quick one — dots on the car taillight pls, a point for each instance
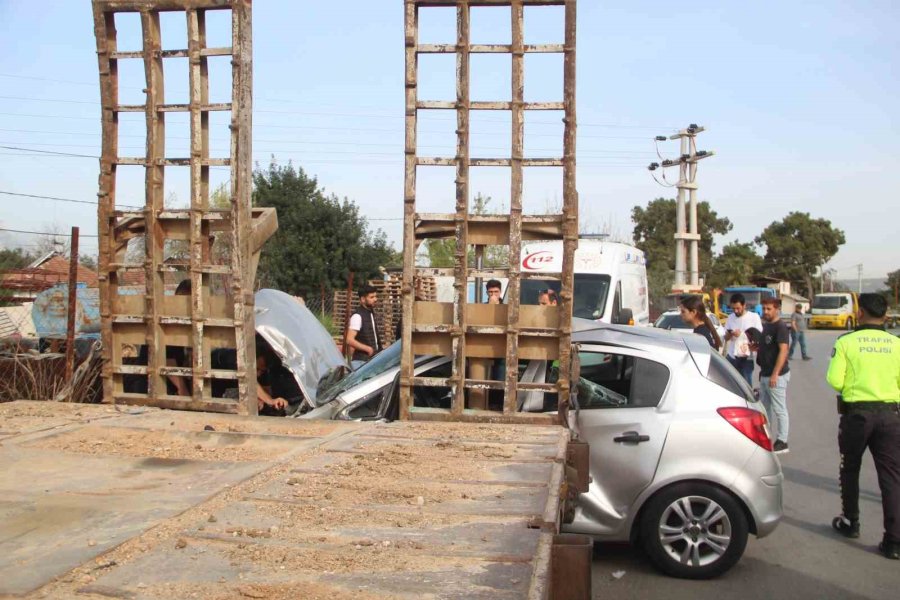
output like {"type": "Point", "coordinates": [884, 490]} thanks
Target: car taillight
{"type": "Point", "coordinates": [751, 423]}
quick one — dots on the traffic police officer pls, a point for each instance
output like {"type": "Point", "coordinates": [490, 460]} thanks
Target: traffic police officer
{"type": "Point", "coordinates": [865, 370]}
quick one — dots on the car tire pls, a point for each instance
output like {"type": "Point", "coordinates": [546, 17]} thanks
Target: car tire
{"type": "Point", "coordinates": [694, 531]}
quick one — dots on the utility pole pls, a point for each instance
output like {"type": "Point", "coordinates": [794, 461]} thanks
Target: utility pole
{"type": "Point", "coordinates": [859, 269]}
{"type": "Point", "coordinates": [687, 236]}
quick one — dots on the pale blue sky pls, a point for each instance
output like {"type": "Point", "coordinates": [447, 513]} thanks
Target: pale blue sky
{"type": "Point", "coordinates": [799, 100]}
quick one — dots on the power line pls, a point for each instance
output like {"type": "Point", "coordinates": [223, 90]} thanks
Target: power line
{"type": "Point", "coordinates": [44, 233]}
{"type": "Point", "coordinates": [49, 152]}
{"type": "Point", "coordinates": [93, 202]}
{"type": "Point", "coordinates": [52, 154]}
{"type": "Point", "coordinates": [377, 116]}
{"type": "Point", "coordinates": [398, 144]}
{"type": "Point", "coordinates": [124, 117]}
{"type": "Point", "coordinates": [364, 115]}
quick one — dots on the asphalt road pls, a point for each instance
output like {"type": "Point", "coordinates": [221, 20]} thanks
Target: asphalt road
{"type": "Point", "coordinates": [804, 557]}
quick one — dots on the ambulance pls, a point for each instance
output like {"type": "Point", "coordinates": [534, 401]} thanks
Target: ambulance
{"type": "Point", "coordinates": [610, 279]}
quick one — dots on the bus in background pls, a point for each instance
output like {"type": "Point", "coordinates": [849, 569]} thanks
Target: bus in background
{"type": "Point", "coordinates": [753, 296]}
{"type": "Point", "coordinates": [610, 279]}
{"type": "Point", "coordinates": [834, 310]}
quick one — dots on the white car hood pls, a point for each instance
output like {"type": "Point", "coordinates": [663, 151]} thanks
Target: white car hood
{"type": "Point", "coordinates": [297, 337]}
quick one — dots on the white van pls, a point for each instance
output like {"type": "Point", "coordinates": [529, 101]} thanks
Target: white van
{"type": "Point", "coordinates": [609, 277]}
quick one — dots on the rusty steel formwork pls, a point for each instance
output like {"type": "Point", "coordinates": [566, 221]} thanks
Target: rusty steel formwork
{"type": "Point", "coordinates": [476, 335]}
{"type": "Point", "coordinates": [138, 328]}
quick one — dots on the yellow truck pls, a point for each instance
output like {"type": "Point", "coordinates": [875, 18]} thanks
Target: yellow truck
{"type": "Point", "coordinates": [834, 310]}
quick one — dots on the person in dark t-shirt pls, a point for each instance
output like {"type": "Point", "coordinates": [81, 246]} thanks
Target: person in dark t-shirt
{"type": "Point", "coordinates": [774, 372]}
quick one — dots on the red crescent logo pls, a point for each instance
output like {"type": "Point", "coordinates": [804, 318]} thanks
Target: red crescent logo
{"type": "Point", "coordinates": [537, 260]}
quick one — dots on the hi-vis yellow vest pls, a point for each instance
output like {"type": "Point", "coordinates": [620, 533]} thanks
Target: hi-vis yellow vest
{"type": "Point", "coordinates": [865, 366]}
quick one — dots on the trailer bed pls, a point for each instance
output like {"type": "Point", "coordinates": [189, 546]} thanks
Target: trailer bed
{"type": "Point", "coordinates": [99, 502]}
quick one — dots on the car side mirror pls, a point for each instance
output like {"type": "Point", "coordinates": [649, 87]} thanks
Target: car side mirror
{"type": "Point", "coordinates": [625, 317]}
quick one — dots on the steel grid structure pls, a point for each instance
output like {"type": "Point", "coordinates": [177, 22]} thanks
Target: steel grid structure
{"type": "Point", "coordinates": [475, 335]}
{"type": "Point", "coordinates": [144, 324]}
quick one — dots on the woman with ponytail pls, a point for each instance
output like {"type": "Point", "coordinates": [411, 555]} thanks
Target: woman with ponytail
{"type": "Point", "coordinates": [693, 312]}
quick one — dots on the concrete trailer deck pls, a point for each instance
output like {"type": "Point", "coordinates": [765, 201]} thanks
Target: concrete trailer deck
{"type": "Point", "coordinates": [100, 502]}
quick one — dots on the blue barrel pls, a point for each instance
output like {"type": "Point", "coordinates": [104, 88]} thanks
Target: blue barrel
{"type": "Point", "coordinates": [50, 306]}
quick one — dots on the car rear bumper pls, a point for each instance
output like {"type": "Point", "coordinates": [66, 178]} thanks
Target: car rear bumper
{"type": "Point", "coordinates": [760, 486]}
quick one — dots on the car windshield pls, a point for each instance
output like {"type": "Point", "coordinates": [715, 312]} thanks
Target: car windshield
{"type": "Point", "coordinates": [828, 302]}
{"type": "Point", "coordinates": [591, 292]}
{"type": "Point", "coordinates": [753, 298]}
{"type": "Point", "coordinates": [382, 362]}
{"type": "Point", "coordinates": [671, 322]}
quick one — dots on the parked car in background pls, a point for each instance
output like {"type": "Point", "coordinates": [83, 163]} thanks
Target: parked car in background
{"type": "Point", "coordinates": [681, 458]}
{"type": "Point", "coordinates": [671, 320]}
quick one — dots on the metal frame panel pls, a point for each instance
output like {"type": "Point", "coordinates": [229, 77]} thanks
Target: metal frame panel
{"type": "Point", "coordinates": [203, 322]}
{"type": "Point", "coordinates": [474, 337]}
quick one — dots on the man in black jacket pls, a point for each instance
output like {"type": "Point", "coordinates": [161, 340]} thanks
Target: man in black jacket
{"type": "Point", "coordinates": [363, 332]}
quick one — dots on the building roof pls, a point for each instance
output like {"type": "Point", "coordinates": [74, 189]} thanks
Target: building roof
{"type": "Point", "coordinates": [44, 273]}
{"type": "Point", "coordinates": [60, 265]}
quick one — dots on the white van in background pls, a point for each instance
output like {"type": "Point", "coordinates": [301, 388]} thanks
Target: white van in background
{"type": "Point", "coordinates": [610, 279]}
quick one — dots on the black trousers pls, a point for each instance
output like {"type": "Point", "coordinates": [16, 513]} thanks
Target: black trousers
{"type": "Point", "coordinates": [875, 426]}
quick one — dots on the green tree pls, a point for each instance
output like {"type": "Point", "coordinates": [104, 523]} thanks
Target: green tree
{"type": "Point", "coordinates": [736, 265]}
{"type": "Point", "coordinates": [659, 282]}
{"type": "Point", "coordinates": [892, 293]}
{"type": "Point", "coordinates": [797, 247]}
{"type": "Point", "coordinates": [321, 239]}
{"type": "Point", "coordinates": [14, 258]}
{"type": "Point", "coordinates": [654, 232]}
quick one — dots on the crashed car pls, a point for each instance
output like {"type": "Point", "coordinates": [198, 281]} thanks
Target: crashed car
{"type": "Point", "coordinates": [681, 457]}
{"type": "Point", "coordinates": [303, 345]}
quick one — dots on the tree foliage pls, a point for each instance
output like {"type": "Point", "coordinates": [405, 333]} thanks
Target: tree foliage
{"type": "Point", "coordinates": [736, 265]}
{"type": "Point", "coordinates": [893, 286]}
{"type": "Point", "coordinates": [14, 258]}
{"type": "Point", "coordinates": [321, 239]}
{"type": "Point", "coordinates": [798, 246]}
{"type": "Point", "coordinates": [654, 231]}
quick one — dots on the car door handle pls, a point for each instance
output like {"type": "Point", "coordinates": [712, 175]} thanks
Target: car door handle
{"type": "Point", "coordinates": [631, 437]}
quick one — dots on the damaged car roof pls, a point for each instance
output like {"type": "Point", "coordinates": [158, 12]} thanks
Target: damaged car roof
{"type": "Point", "coordinates": [298, 338]}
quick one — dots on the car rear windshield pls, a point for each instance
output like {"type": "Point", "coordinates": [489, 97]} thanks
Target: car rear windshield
{"type": "Point", "coordinates": [724, 375]}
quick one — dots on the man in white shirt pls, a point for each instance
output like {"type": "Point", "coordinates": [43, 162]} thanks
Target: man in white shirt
{"type": "Point", "coordinates": [737, 344]}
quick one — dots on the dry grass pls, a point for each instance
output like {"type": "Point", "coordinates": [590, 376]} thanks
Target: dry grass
{"type": "Point", "coordinates": [28, 376]}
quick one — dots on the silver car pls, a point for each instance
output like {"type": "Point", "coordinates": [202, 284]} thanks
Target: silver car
{"type": "Point", "coordinates": [681, 458]}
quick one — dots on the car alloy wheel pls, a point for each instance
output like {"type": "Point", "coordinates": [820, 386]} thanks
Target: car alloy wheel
{"type": "Point", "coordinates": [694, 530]}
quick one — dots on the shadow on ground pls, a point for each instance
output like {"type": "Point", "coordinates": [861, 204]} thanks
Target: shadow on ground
{"type": "Point", "coordinates": [751, 579]}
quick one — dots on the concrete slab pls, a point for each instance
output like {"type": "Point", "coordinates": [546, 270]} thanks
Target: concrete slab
{"type": "Point", "coordinates": [155, 505]}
